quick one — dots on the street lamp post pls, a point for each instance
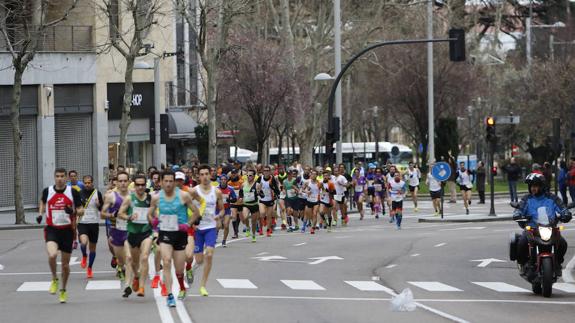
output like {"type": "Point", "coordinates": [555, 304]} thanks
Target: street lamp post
{"type": "Point", "coordinates": [430, 110]}
{"type": "Point", "coordinates": [337, 54]}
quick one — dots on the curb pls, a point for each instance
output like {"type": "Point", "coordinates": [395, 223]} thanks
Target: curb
{"type": "Point", "coordinates": [470, 220]}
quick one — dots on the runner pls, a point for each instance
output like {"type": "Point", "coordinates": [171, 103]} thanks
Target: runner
{"type": "Point", "coordinates": [118, 227]}
{"type": "Point", "coordinates": [74, 182]}
{"type": "Point", "coordinates": [465, 185]}
{"type": "Point", "coordinates": [280, 178]}
{"type": "Point", "coordinates": [434, 190]}
{"type": "Point", "coordinates": [290, 191]}
{"type": "Point", "coordinates": [312, 187]}
{"type": "Point", "coordinates": [236, 182]}
{"type": "Point", "coordinates": [268, 190]}
{"type": "Point", "coordinates": [396, 189]}
{"type": "Point", "coordinates": [370, 176]}
{"type": "Point", "coordinates": [207, 230]}
{"type": "Point", "coordinates": [341, 184]}
{"type": "Point", "coordinates": [88, 225]}
{"type": "Point", "coordinates": [249, 199]}
{"type": "Point", "coordinates": [326, 199]}
{"type": "Point", "coordinates": [173, 223]}
{"type": "Point", "coordinates": [413, 176]}
{"type": "Point", "coordinates": [134, 209]}
{"type": "Point", "coordinates": [112, 187]}
{"type": "Point", "coordinates": [61, 204]}
{"type": "Point", "coordinates": [380, 195]}
{"type": "Point", "coordinates": [302, 200]}
{"type": "Point", "coordinates": [229, 197]}
{"type": "Point", "coordinates": [359, 185]}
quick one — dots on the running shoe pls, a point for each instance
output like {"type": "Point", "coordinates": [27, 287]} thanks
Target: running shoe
{"type": "Point", "coordinates": [127, 292]}
{"type": "Point", "coordinates": [182, 294]}
{"type": "Point", "coordinates": [290, 229]}
{"type": "Point", "coordinates": [224, 244]}
{"type": "Point", "coordinates": [114, 262]}
{"type": "Point", "coordinates": [141, 292]}
{"type": "Point", "coordinates": [89, 273]}
{"type": "Point", "coordinates": [260, 232]}
{"type": "Point", "coordinates": [190, 276]}
{"type": "Point", "coordinates": [171, 301]}
{"type": "Point", "coordinates": [269, 233]}
{"type": "Point", "coordinates": [248, 233]}
{"type": "Point", "coordinates": [120, 274]}
{"type": "Point", "coordinates": [84, 262]}
{"type": "Point", "coordinates": [284, 227]}
{"type": "Point", "coordinates": [235, 236]}
{"type": "Point", "coordinates": [303, 230]}
{"type": "Point", "coordinates": [75, 245]}
{"type": "Point", "coordinates": [436, 213]}
{"type": "Point", "coordinates": [416, 210]}
{"type": "Point", "coordinates": [254, 239]}
{"type": "Point", "coordinates": [377, 216]}
{"type": "Point", "coordinates": [155, 281]}
{"type": "Point", "coordinates": [135, 284]}
{"type": "Point", "coordinates": [312, 230]}
{"type": "Point", "coordinates": [296, 228]}
{"type": "Point", "coordinates": [63, 296]}
{"type": "Point", "coordinates": [467, 211]}
{"type": "Point", "coordinates": [164, 291]}
{"type": "Point", "coordinates": [54, 286]}
{"type": "Point", "coordinates": [203, 291]}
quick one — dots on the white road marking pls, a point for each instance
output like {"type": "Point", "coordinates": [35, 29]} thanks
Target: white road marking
{"type": "Point", "coordinates": [73, 261]}
{"type": "Point", "coordinates": [366, 286]}
{"type": "Point", "coordinates": [180, 307]}
{"type": "Point", "coordinates": [262, 253]}
{"type": "Point", "coordinates": [163, 309]}
{"type": "Point", "coordinates": [440, 245]}
{"type": "Point", "coordinates": [485, 262]}
{"type": "Point", "coordinates": [565, 287]}
{"type": "Point", "coordinates": [391, 266]}
{"type": "Point", "coordinates": [319, 260]}
{"type": "Point", "coordinates": [299, 244]}
{"type": "Point", "coordinates": [1, 267]}
{"type": "Point", "coordinates": [302, 284]}
{"type": "Point", "coordinates": [34, 287]}
{"type": "Point", "coordinates": [567, 276]}
{"type": "Point", "coordinates": [375, 278]}
{"type": "Point", "coordinates": [435, 287]}
{"type": "Point", "coordinates": [502, 287]}
{"type": "Point", "coordinates": [103, 285]}
{"type": "Point", "coordinates": [237, 283]}
{"type": "Point", "coordinates": [415, 255]}
{"type": "Point", "coordinates": [463, 228]}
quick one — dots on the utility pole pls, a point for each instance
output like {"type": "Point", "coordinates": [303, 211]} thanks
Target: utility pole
{"type": "Point", "coordinates": [337, 49]}
{"type": "Point", "coordinates": [430, 117]}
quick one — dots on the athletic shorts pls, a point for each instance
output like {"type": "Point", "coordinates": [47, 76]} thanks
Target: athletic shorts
{"type": "Point", "coordinates": [397, 205]}
{"type": "Point", "coordinates": [191, 231]}
{"type": "Point", "coordinates": [311, 205]}
{"type": "Point", "coordinates": [325, 204]}
{"type": "Point", "coordinates": [356, 196]}
{"type": "Point", "coordinates": [118, 237]}
{"type": "Point", "coordinates": [227, 212]}
{"type": "Point", "coordinates": [435, 195]}
{"type": "Point", "coordinates": [381, 194]}
{"type": "Point", "coordinates": [205, 237]}
{"type": "Point", "coordinates": [301, 204]}
{"type": "Point", "coordinates": [412, 188]}
{"type": "Point", "coordinates": [63, 237]}
{"type": "Point", "coordinates": [177, 239]}
{"type": "Point", "coordinates": [135, 239]}
{"type": "Point", "coordinates": [464, 188]}
{"type": "Point", "coordinates": [92, 230]}
{"type": "Point", "coordinates": [252, 208]}
{"type": "Point", "coordinates": [267, 203]}
{"type": "Point", "coordinates": [238, 207]}
{"type": "Point", "coordinates": [343, 199]}
{"type": "Point", "coordinates": [371, 191]}
{"type": "Point", "coordinates": [288, 203]}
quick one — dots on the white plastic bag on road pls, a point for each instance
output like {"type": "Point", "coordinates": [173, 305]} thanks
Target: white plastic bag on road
{"type": "Point", "coordinates": [403, 302]}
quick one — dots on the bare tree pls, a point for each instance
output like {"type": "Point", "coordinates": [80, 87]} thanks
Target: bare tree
{"type": "Point", "coordinates": [126, 36]}
{"type": "Point", "coordinates": [23, 25]}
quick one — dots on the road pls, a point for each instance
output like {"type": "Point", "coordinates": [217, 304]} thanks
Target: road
{"type": "Point", "coordinates": [349, 275]}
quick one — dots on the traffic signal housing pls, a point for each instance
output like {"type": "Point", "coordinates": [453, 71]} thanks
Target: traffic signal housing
{"type": "Point", "coordinates": [494, 170]}
{"type": "Point", "coordinates": [490, 135]}
{"type": "Point", "coordinates": [457, 46]}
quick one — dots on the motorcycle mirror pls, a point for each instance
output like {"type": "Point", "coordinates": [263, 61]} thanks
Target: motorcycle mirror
{"type": "Point", "coordinates": [515, 205]}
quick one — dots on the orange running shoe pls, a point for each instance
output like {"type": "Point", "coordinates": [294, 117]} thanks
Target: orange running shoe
{"type": "Point", "coordinates": [141, 292]}
{"type": "Point", "coordinates": [164, 290]}
{"type": "Point", "coordinates": [89, 273]}
{"type": "Point", "coordinates": [155, 281]}
{"type": "Point", "coordinates": [135, 284]}
{"type": "Point", "coordinates": [84, 262]}
{"type": "Point", "coordinates": [269, 233]}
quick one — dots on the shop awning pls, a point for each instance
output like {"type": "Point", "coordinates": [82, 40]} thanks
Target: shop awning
{"type": "Point", "coordinates": [181, 125]}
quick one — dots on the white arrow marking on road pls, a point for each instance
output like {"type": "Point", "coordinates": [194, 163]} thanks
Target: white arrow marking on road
{"type": "Point", "coordinates": [390, 266]}
{"type": "Point", "coordinates": [319, 260]}
{"type": "Point", "coordinates": [269, 258]}
{"type": "Point", "coordinates": [299, 244]}
{"type": "Point", "coordinates": [73, 261]}
{"type": "Point", "coordinates": [486, 262]}
{"type": "Point", "coordinates": [440, 244]}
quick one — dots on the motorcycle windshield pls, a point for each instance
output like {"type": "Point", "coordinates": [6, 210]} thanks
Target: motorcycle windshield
{"type": "Point", "coordinates": [543, 216]}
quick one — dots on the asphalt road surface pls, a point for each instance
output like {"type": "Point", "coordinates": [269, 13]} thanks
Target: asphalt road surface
{"type": "Point", "coordinates": [456, 272]}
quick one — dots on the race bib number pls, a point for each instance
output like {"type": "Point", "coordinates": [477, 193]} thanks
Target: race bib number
{"type": "Point", "coordinates": [142, 215]}
{"type": "Point", "coordinates": [312, 198]}
{"type": "Point", "coordinates": [60, 218]}
{"type": "Point", "coordinates": [282, 195]}
{"type": "Point", "coordinates": [121, 225]}
{"type": "Point", "coordinates": [291, 193]}
{"type": "Point", "coordinates": [225, 197]}
{"type": "Point", "coordinates": [168, 222]}
{"type": "Point", "coordinates": [90, 216]}
{"type": "Point", "coordinates": [249, 197]}
{"type": "Point", "coordinates": [378, 187]}
{"type": "Point", "coordinates": [338, 197]}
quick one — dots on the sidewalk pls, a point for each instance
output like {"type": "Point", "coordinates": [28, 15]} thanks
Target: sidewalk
{"type": "Point", "coordinates": [7, 220]}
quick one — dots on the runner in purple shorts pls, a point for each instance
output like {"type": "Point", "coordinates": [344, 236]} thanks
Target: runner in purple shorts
{"type": "Point", "coordinates": [380, 196]}
{"type": "Point", "coordinates": [359, 186]}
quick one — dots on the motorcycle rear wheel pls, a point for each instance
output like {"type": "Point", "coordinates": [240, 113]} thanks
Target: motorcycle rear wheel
{"type": "Point", "coordinates": [547, 276]}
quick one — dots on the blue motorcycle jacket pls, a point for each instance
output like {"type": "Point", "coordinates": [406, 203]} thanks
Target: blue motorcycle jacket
{"type": "Point", "coordinates": [530, 206]}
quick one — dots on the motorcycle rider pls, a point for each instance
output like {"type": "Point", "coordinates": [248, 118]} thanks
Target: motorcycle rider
{"type": "Point", "coordinates": [527, 212]}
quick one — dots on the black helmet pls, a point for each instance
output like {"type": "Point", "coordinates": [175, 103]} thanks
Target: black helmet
{"type": "Point", "coordinates": [535, 179]}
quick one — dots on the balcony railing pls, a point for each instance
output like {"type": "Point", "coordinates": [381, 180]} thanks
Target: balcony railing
{"type": "Point", "coordinates": [54, 39]}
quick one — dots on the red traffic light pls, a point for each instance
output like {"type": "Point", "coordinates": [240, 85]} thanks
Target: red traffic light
{"type": "Point", "coordinates": [494, 170]}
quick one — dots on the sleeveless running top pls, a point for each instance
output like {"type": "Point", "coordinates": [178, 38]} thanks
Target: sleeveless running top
{"type": "Point", "coordinates": [141, 223]}
{"type": "Point", "coordinates": [117, 223]}
{"type": "Point", "coordinates": [209, 217]}
{"type": "Point", "coordinates": [172, 213]}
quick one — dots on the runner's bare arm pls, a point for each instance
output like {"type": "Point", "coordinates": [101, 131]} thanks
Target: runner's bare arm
{"type": "Point", "coordinates": [188, 199]}
{"type": "Point", "coordinates": [108, 199]}
{"type": "Point", "coordinates": [153, 207]}
{"type": "Point", "coordinates": [220, 202]}
{"type": "Point", "coordinates": [123, 212]}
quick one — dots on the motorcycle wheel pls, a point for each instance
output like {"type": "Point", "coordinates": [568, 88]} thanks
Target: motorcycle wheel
{"type": "Point", "coordinates": [547, 276]}
{"type": "Point", "coordinates": [536, 288]}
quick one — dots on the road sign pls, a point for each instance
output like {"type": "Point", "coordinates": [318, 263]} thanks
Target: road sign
{"type": "Point", "coordinates": [441, 171]}
{"type": "Point", "coordinates": [507, 120]}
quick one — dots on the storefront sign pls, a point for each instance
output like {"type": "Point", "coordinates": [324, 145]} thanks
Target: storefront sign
{"type": "Point", "coordinates": [142, 101]}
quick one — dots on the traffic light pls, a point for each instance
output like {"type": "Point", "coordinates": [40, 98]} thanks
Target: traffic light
{"type": "Point", "coordinates": [490, 135]}
{"type": "Point", "coordinates": [494, 170]}
{"type": "Point", "coordinates": [457, 46]}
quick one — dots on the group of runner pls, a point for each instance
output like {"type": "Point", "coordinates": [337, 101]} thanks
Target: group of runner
{"type": "Point", "coordinates": [176, 214]}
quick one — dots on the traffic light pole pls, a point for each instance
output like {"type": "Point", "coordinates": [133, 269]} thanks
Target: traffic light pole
{"type": "Point", "coordinates": [492, 176]}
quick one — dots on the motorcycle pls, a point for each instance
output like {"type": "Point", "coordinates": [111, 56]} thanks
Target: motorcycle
{"type": "Point", "coordinates": [540, 269]}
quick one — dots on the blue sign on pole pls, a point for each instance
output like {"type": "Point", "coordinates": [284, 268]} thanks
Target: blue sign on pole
{"type": "Point", "coordinates": [441, 171]}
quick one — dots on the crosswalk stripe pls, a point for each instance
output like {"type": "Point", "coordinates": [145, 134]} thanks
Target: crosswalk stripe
{"type": "Point", "coordinates": [565, 287]}
{"type": "Point", "coordinates": [501, 287]}
{"type": "Point", "coordinates": [302, 285]}
{"type": "Point", "coordinates": [237, 283]}
{"type": "Point", "coordinates": [367, 286]}
{"type": "Point", "coordinates": [34, 287]}
{"type": "Point", "coordinates": [103, 285]}
{"type": "Point", "coordinates": [435, 287]}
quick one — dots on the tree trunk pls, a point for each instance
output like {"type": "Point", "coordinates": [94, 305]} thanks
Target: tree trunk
{"type": "Point", "coordinates": [280, 146]}
{"type": "Point", "coordinates": [260, 146]}
{"type": "Point", "coordinates": [17, 139]}
{"type": "Point", "coordinates": [126, 105]}
{"type": "Point", "coordinates": [306, 151]}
